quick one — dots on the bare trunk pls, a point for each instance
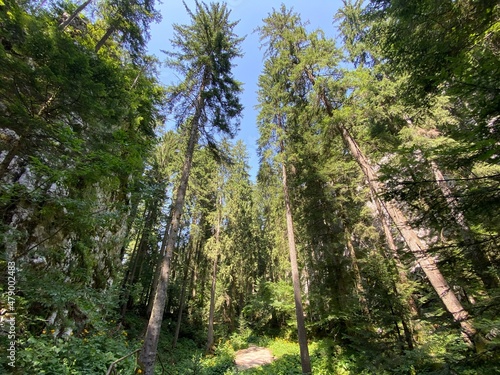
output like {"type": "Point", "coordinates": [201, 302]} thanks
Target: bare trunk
{"type": "Point", "coordinates": [402, 278]}
{"type": "Point", "coordinates": [182, 298]}
{"type": "Point", "coordinates": [148, 353]}
{"type": "Point", "coordinates": [104, 38]}
{"type": "Point", "coordinates": [301, 328]}
{"type": "Point", "coordinates": [65, 23]}
{"type": "Point", "coordinates": [13, 152]}
{"type": "Point", "coordinates": [194, 275]}
{"type": "Point", "coordinates": [128, 275]}
{"type": "Point", "coordinates": [417, 247]}
{"type": "Point", "coordinates": [156, 277]}
{"type": "Point", "coordinates": [19, 143]}
{"type": "Point", "coordinates": [210, 335]}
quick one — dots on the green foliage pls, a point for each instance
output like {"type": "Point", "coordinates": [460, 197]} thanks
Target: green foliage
{"type": "Point", "coordinates": [131, 20]}
{"type": "Point", "coordinates": [271, 307]}
{"type": "Point", "coordinates": [91, 354]}
{"type": "Point", "coordinates": [205, 52]}
{"type": "Point", "coordinates": [80, 177]}
{"type": "Point", "coordinates": [76, 131]}
{"type": "Point", "coordinates": [241, 340]}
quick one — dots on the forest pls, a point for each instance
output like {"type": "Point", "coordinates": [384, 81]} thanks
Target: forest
{"type": "Point", "coordinates": [368, 243]}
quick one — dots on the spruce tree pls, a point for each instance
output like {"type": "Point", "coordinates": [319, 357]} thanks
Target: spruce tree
{"type": "Point", "coordinates": [206, 49]}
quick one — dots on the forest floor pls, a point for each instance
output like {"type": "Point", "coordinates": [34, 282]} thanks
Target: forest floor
{"type": "Point", "coordinates": [253, 356]}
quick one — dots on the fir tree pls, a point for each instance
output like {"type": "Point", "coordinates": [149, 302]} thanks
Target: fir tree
{"type": "Point", "coordinates": [206, 49]}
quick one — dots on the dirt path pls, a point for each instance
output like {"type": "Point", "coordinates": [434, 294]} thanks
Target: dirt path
{"type": "Point", "coordinates": [252, 357]}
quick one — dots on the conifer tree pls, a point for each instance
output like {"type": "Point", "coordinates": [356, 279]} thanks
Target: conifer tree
{"type": "Point", "coordinates": [206, 49]}
{"type": "Point", "coordinates": [280, 104]}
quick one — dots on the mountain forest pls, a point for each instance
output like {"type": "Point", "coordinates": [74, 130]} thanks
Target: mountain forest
{"type": "Point", "coordinates": [136, 241]}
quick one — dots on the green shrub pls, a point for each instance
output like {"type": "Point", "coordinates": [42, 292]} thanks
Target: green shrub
{"type": "Point", "coordinates": [74, 356]}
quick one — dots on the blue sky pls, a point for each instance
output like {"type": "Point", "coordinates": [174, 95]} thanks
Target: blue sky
{"type": "Point", "coordinates": [250, 13]}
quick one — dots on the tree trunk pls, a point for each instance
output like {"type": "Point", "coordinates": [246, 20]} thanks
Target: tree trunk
{"type": "Point", "coordinates": [301, 328]}
{"type": "Point", "coordinates": [210, 335]}
{"type": "Point", "coordinates": [13, 152]}
{"type": "Point", "coordinates": [65, 23]}
{"type": "Point", "coordinates": [402, 278]}
{"type": "Point", "coordinates": [104, 38]}
{"type": "Point", "coordinates": [128, 274]}
{"type": "Point", "coordinates": [19, 144]}
{"type": "Point", "coordinates": [182, 298]}
{"type": "Point", "coordinates": [194, 275]}
{"type": "Point", "coordinates": [417, 247]}
{"type": "Point", "coordinates": [156, 277]}
{"type": "Point", "coordinates": [148, 353]}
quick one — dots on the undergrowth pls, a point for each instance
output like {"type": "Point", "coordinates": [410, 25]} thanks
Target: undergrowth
{"type": "Point", "coordinates": [93, 351]}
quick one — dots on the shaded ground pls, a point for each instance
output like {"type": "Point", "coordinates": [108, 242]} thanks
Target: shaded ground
{"type": "Point", "coordinates": [252, 357]}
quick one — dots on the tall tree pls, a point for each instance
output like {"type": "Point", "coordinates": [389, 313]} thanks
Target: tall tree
{"type": "Point", "coordinates": [278, 120]}
{"type": "Point", "coordinates": [417, 247]}
{"type": "Point", "coordinates": [206, 49]}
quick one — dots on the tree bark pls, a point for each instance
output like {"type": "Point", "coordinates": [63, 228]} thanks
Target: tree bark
{"type": "Point", "coordinates": [104, 38]}
{"type": "Point", "coordinates": [402, 278]}
{"type": "Point", "coordinates": [210, 335]}
{"type": "Point", "coordinates": [148, 353]}
{"type": "Point", "coordinates": [156, 277]}
{"type": "Point", "coordinates": [417, 247]}
{"type": "Point", "coordinates": [19, 144]}
{"type": "Point", "coordinates": [13, 152]}
{"type": "Point", "coordinates": [129, 274]}
{"type": "Point", "coordinates": [65, 23]}
{"type": "Point", "coordinates": [301, 328]}
{"type": "Point", "coordinates": [194, 274]}
{"type": "Point", "coordinates": [182, 298]}
{"type": "Point", "coordinates": [360, 290]}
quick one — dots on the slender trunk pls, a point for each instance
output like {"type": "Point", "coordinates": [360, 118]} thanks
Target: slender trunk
{"type": "Point", "coordinates": [396, 327]}
{"type": "Point", "coordinates": [417, 247]}
{"type": "Point", "coordinates": [182, 298]}
{"type": "Point", "coordinates": [19, 143]}
{"type": "Point", "coordinates": [232, 296]}
{"type": "Point", "coordinates": [148, 353]}
{"type": "Point", "coordinates": [104, 38]}
{"type": "Point", "coordinates": [174, 265]}
{"type": "Point", "coordinates": [194, 275]}
{"type": "Point", "coordinates": [65, 23]}
{"type": "Point", "coordinates": [128, 275]}
{"type": "Point", "coordinates": [210, 336]}
{"type": "Point", "coordinates": [156, 277]}
{"type": "Point", "coordinates": [408, 330]}
{"type": "Point", "coordinates": [301, 328]}
{"type": "Point", "coordinates": [13, 152]}
{"type": "Point", "coordinates": [403, 279]}
{"type": "Point", "coordinates": [479, 260]}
